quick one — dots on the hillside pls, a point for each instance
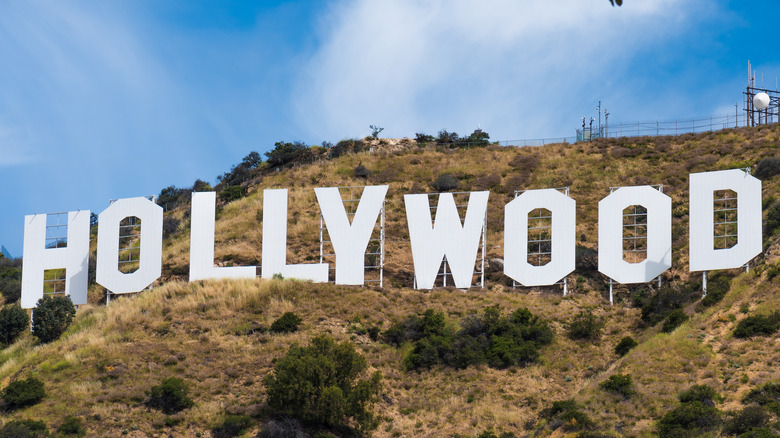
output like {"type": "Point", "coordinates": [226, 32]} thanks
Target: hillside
{"type": "Point", "coordinates": [209, 333]}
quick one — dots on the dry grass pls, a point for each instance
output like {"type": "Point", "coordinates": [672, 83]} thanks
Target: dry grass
{"type": "Point", "coordinates": [112, 355]}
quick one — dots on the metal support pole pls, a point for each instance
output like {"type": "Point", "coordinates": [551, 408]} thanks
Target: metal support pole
{"type": "Point", "coordinates": [321, 237]}
{"type": "Point", "coordinates": [704, 284]}
{"type": "Point", "coordinates": [445, 272]}
{"type": "Point", "coordinates": [382, 245]}
{"type": "Point", "coordinates": [611, 301]}
{"type": "Point", "coordinates": [484, 238]}
{"type": "Point", "coordinates": [31, 319]}
{"type": "Point", "coordinates": [659, 282]}
{"type": "Point", "coordinates": [565, 286]}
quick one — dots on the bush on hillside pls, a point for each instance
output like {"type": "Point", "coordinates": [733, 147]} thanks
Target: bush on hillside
{"type": "Point", "coordinates": [674, 320]}
{"type": "Point", "coordinates": [346, 147]}
{"type": "Point", "coordinates": [170, 396]}
{"type": "Point", "coordinates": [717, 288]}
{"type": "Point", "coordinates": [10, 279]}
{"type": "Point", "coordinates": [232, 426]}
{"type": "Point", "coordinates": [51, 317]}
{"type": "Point", "coordinates": [288, 153]}
{"type": "Point", "coordinates": [567, 415]}
{"type": "Point", "coordinates": [655, 308]}
{"type": "Point", "coordinates": [700, 393]}
{"type": "Point", "coordinates": [286, 323]}
{"type": "Point", "coordinates": [321, 383]}
{"type": "Point", "coordinates": [746, 420]}
{"type": "Point", "coordinates": [689, 420]}
{"type": "Point", "coordinates": [232, 193]}
{"type": "Point", "coordinates": [24, 392]}
{"type": "Point", "coordinates": [201, 186]}
{"type": "Point", "coordinates": [445, 182]}
{"type": "Point", "coordinates": [24, 429]}
{"type": "Point", "coordinates": [584, 326]}
{"type": "Point", "coordinates": [170, 226]}
{"type": "Point", "coordinates": [618, 384]}
{"type": "Point", "coordinates": [767, 168]}
{"type": "Point", "coordinates": [13, 321]}
{"type": "Point", "coordinates": [421, 138]}
{"type": "Point", "coordinates": [171, 196]}
{"type": "Point", "coordinates": [625, 345]}
{"type": "Point", "coordinates": [361, 171]}
{"type": "Point", "coordinates": [767, 395]}
{"type": "Point", "coordinates": [499, 340]}
{"type": "Point", "coordinates": [72, 426]}
{"type": "Point", "coordinates": [758, 325]}
{"type": "Point", "coordinates": [772, 222]}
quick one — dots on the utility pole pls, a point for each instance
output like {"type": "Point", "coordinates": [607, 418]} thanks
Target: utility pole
{"type": "Point", "coordinates": [606, 122]}
{"type": "Point", "coordinates": [599, 108]}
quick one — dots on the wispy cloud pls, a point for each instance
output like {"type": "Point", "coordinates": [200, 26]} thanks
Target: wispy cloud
{"type": "Point", "coordinates": [520, 69]}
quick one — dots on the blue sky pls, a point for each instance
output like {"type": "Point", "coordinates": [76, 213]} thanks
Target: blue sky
{"type": "Point", "coordinates": [106, 100]}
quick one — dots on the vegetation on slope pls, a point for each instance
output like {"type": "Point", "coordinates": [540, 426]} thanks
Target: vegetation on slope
{"type": "Point", "coordinates": [213, 335]}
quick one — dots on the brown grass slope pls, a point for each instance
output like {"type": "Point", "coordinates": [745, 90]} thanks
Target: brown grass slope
{"type": "Point", "coordinates": [102, 367]}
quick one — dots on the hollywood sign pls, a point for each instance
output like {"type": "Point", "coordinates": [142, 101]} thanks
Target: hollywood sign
{"type": "Point", "coordinates": [432, 239]}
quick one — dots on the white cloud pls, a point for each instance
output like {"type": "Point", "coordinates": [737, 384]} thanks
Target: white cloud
{"type": "Point", "coordinates": [520, 69]}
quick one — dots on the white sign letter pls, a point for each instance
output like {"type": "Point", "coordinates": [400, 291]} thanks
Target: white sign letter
{"type": "Point", "coordinates": [202, 242]}
{"type": "Point", "coordinates": [446, 237]}
{"type": "Point", "coordinates": [561, 264]}
{"type": "Point", "coordinates": [703, 256]}
{"type": "Point", "coordinates": [275, 242]}
{"type": "Point", "coordinates": [150, 266]}
{"type": "Point", "coordinates": [37, 258]}
{"type": "Point", "coordinates": [659, 234]}
{"type": "Point", "coordinates": [350, 240]}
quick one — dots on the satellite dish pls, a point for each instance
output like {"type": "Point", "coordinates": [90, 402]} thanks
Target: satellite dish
{"type": "Point", "coordinates": [761, 101]}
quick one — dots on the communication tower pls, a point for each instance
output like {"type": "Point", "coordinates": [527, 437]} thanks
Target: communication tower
{"type": "Point", "coordinates": [761, 104]}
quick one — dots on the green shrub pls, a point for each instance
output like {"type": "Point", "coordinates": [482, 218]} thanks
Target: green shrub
{"type": "Point", "coordinates": [498, 340]}
{"type": "Point", "coordinates": [51, 317]}
{"type": "Point", "coordinates": [232, 193]}
{"type": "Point", "coordinates": [674, 320]}
{"type": "Point", "coordinates": [286, 323]}
{"type": "Point", "coordinates": [21, 393]}
{"type": "Point", "coordinates": [584, 326]}
{"type": "Point", "coordinates": [758, 325]}
{"type": "Point", "coordinates": [445, 182]}
{"type": "Point", "coordinates": [24, 429]}
{"type": "Point", "coordinates": [689, 420]}
{"type": "Point", "coordinates": [10, 279]}
{"type": "Point", "coordinates": [767, 168]}
{"type": "Point", "coordinates": [170, 396]}
{"type": "Point", "coordinates": [717, 288]}
{"type": "Point", "coordinates": [618, 384]}
{"type": "Point", "coordinates": [421, 138]}
{"type": "Point", "coordinates": [13, 321]}
{"type": "Point", "coordinates": [288, 153]}
{"type": "Point", "coordinates": [320, 384]}
{"type": "Point", "coordinates": [625, 345]}
{"type": "Point", "coordinates": [700, 393]}
{"type": "Point", "coordinates": [566, 414]}
{"type": "Point", "coordinates": [772, 221]}
{"type": "Point", "coordinates": [767, 395]}
{"type": "Point", "coordinates": [362, 172]}
{"type": "Point", "coordinates": [232, 426]}
{"type": "Point", "coordinates": [657, 307]}
{"type": "Point", "coordinates": [373, 333]}
{"type": "Point", "coordinates": [201, 186]}
{"type": "Point", "coordinates": [749, 418]}
{"type": "Point", "coordinates": [72, 426]}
